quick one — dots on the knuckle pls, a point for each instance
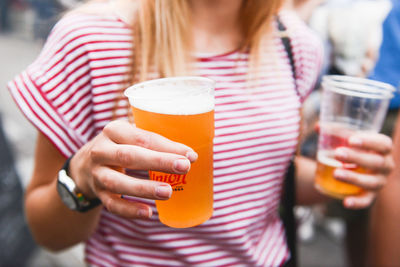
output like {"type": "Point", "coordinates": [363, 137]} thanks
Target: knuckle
{"type": "Point", "coordinates": [95, 153]}
{"type": "Point", "coordinates": [390, 164]}
{"type": "Point", "coordinates": [384, 165]}
{"type": "Point", "coordinates": [109, 204]}
{"type": "Point", "coordinates": [141, 189]}
{"type": "Point", "coordinates": [114, 126]}
{"type": "Point", "coordinates": [109, 128]}
{"type": "Point", "coordinates": [161, 163]}
{"type": "Point", "coordinates": [142, 139]}
{"type": "Point", "coordinates": [388, 142]}
{"type": "Point", "coordinates": [96, 171]}
{"type": "Point", "coordinates": [375, 184]}
{"type": "Point", "coordinates": [108, 183]}
{"type": "Point", "coordinates": [122, 156]}
{"type": "Point", "coordinates": [95, 174]}
{"type": "Point", "coordinates": [380, 163]}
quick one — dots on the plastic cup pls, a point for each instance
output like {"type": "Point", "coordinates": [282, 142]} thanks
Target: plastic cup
{"type": "Point", "coordinates": [181, 109]}
{"type": "Point", "coordinates": [349, 105]}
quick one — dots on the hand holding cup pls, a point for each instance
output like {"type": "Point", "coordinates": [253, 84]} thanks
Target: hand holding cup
{"type": "Point", "coordinates": [371, 152]}
{"type": "Point", "coordinates": [353, 158]}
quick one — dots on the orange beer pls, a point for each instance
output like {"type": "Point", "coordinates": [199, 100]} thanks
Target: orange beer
{"type": "Point", "coordinates": [187, 119]}
{"type": "Point", "coordinates": [327, 184]}
{"type": "Point", "coordinates": [332, 136]}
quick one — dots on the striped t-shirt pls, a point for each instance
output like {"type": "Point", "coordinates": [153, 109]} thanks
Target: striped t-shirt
{"type": "Point", "coordinates": [69, 93]}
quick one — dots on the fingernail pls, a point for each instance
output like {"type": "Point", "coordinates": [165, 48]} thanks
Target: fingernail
{"type": "Point", "coordinates": [163, 191]}
{"type": "Point", "coordinates": [144, 213]}
{"type": "Point", "coordinates": [342, 153]}
{"type": "Point", "coordinates": [355, 141]}
{"type": "Point", "coordinates": [181, 165]}
{"type": "Point", "coordinates": [192, 156]}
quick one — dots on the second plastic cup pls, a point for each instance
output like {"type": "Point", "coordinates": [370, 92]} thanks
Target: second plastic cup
{"type": "Point", "coordinates": [349, 105]}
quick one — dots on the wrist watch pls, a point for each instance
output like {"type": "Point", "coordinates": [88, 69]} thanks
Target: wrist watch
{"type": "Point", "coordinates": [70, 194]}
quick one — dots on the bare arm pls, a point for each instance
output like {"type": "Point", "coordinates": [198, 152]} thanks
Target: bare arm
{"type": "Point", "coordinates": [306, 194]}
{"type": "Point", "coordinates": [95, 171]}
{"type": "Point", "coordinates": [52, 223]}
{"type": "Point", "coordinates": [384, 243]}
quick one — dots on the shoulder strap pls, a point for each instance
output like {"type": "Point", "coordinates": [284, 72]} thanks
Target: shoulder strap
{"type": "Point", "coordinates": [288, 196]}
{"type": "Point", "coordinates": [286, 43]}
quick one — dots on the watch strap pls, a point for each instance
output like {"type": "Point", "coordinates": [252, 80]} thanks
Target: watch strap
{"type": "Point", "coordinates": [83, 204]}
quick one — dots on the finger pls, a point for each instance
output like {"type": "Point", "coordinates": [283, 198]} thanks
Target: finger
{"type": "Point", "coordinates": [115, 204]}
{"type": "Point", "coordinates": [359, 202]}
{"type": "Point", "coordinates": [379, 143]}
{"type": "Point", "coordinates": [119, 183]}
{"type": "Point", "coordinates": [367, 160]}
{"type": "Point", "coordinates": [365, 181]}
{"type": "Point", "coordinates": [122, 132]}
{"type": "Point", "coordinates": [139, 158]}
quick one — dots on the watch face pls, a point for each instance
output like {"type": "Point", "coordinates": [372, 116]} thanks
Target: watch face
{"type": "Point", "coordinates": [66, 197]}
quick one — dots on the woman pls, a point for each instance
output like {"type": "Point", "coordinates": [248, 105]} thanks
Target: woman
{"type": "Point", "coordinates": [72, 92]}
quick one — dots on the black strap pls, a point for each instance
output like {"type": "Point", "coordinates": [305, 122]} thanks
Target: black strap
{"type": "Point", "coordinates": [287, 214]}
{"type": "Point", "coordinates": [83, 204]}
{"type": "Point", "coordinates": [289, 186]}
{"type": "Point", "coordinates": [286, 43]}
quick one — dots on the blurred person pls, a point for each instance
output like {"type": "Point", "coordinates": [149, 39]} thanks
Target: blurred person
{"type": "Point", "coordinates": [72, 94]}
{"type": "Point", "coordinates": [305, 8]}
{"type": "Point", "coordinates": [69, 4]}
{"type": "Point", "coordinates": [47, 13]}
{"type": "Point", "coordinates": [351, 31]}
{"type": "Point", "coordinates": [384, 238]}
{"type": "Point", "coordinates": [384, 232]}
{"type": "Point", "coordinates": [4, 15]}
{"type": "Point", "coordinates": [387, 67]}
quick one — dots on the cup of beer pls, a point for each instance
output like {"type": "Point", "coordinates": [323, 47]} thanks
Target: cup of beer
{"type": "Point", "coordinates": [182, 110]}
{"type": "Point", "coordinates": [349, 105]}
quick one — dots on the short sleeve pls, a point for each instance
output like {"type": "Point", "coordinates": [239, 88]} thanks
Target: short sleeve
{"type": "Point", "coordinates": [307, 52]}
{"type": "Point", "coordinates": [54, 91]}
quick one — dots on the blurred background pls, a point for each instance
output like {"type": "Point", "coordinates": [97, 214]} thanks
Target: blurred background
{"type": "Point", "coordinates": [328, 235]}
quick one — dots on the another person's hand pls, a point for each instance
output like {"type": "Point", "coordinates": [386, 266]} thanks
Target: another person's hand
{"type": "Point", "coordinates": [97, 167]}
{"type": "Point", "coordinates": [372, 152]}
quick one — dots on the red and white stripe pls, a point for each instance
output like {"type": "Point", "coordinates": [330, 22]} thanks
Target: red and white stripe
{"type": "Point", "coordinates": [69, 94]}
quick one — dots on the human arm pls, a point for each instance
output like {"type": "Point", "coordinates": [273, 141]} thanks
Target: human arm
{"type": "Point", "coordinates": [384, 233]}
{"type": "Point", "coordinates": [52, 224]}
{"type": "Point", "coordinates": [306, 194]}
{"type": "Point", "coordinates": [371, 151]}
{"type": "Point", "coordinates": [94, 169]}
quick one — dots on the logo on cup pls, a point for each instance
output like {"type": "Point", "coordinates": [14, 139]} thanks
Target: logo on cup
{"type": "Point", "coordinates": [175, 180]}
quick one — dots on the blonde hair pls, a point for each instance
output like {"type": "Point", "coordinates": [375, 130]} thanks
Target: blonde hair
{"type": "Point", "coordinates": [162, 35]}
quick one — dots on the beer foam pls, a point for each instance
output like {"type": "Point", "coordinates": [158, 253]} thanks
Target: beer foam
{"type": "Point", "coordinates": [171, 97]}
{"type": "Point", "coordinates": [326, 158]}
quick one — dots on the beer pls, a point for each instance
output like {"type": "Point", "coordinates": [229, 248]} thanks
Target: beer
{"type": "Point", "coordinates": [332, 136]}
{"type": "Point", "coordinates": [187, 119]}
{"type": "Point", "coordinates": [327, 184]}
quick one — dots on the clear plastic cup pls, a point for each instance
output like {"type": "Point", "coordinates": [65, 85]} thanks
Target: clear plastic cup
{"type": "Point", "coordinates": [349, 105]}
